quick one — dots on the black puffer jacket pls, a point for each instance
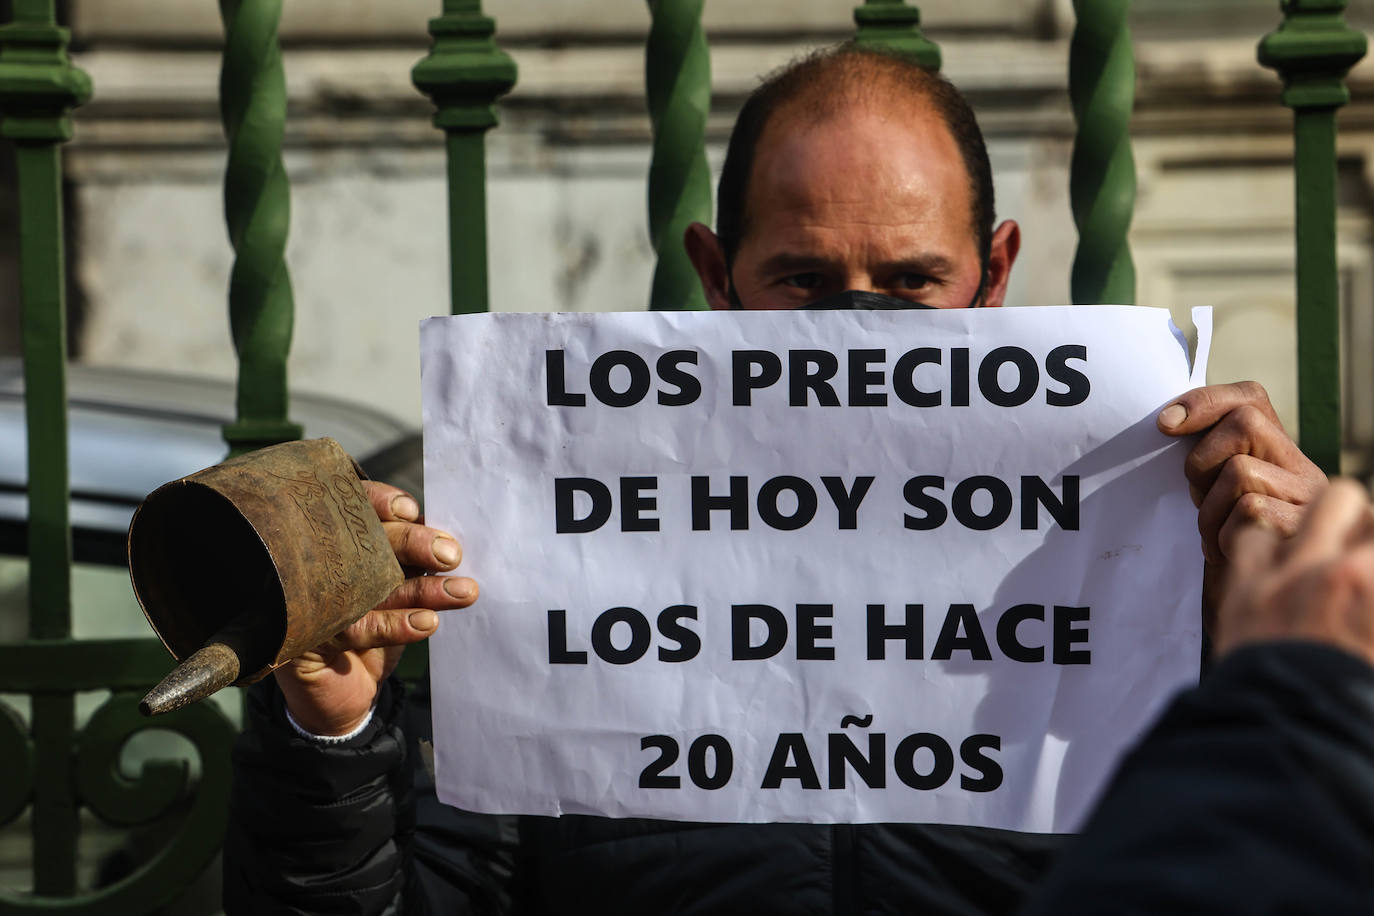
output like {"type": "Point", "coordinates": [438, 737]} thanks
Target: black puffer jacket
{"type": "Point", "coordinates": [356, 828]}
{"type": "Point", "coordinates": [1253, 795]}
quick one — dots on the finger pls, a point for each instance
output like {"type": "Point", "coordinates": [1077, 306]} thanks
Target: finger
{"type": "Point", "coordinates": [1252, 510]}
{"type": "Point", "coordinates": [392, 504]}
{"type": "Point", "coordinates": [437, 593]}
{"type": "Point", "coordinates": [1333, 522]}
{"type": "Point", "coordinates": [1247, 430]}
{"type": "Point", "coordinates": [1217, 582]}
{"type": "Point", "coordinates": [1356, 570]}
{"type": "Point", "coordinates": [1196, 410]}
{"type": "Point", "coordinates": [1196, 494]}
{"type": "Point", "coordinates": [424, 548]}
{"type": "Point", "coordinates": [381, 629]}
{"type": "Point", "coordinates": [1244, 474]}
{"type": "Point", "coordinates": [1253, 550]}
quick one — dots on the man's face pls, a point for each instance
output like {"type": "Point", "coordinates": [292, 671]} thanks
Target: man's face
{"type": "Point", "coordinates": [868, 200]}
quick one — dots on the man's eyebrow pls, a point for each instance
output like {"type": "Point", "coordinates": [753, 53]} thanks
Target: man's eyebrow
{"type": "Point", "coordinates": [785, 262]}
{"type": "Point", "coordinates": [930, 264]}
{"type": "Point", "coordinates": [791, 262]}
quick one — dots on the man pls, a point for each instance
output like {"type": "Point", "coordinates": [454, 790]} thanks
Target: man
{"type": "Point", "coordinates": [850, 172]}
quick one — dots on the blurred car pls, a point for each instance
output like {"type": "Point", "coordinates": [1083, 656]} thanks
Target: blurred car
{"type": "Point", "coordinates": [131, 431]}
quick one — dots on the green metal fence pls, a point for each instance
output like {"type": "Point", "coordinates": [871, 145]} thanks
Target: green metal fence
{"type": "Point", "coordinates": [52, 769]}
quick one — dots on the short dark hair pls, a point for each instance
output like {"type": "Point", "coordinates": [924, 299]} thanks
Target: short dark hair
{"type": "Point", "coordinates": [858, 70]}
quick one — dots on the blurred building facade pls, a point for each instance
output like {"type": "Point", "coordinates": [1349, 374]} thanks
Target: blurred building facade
{"type": "Point", "coordinates": [149, 258]}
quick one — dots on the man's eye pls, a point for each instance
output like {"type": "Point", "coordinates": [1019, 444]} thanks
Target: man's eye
{"type": "Point", "coordinates": [803, 281]}
{"type": "Point", "coordinates": [912, 281]}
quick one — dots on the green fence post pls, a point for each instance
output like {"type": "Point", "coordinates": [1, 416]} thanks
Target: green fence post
{"type": "Point", "coordinates": [892, 25]}
{"type": "Point", "coordinates": [677, 80]}
{"type": "Point", "coordinates": [38, 89]}
{"type": "Point", "coordinates": [48, 766]}
{"type": "Point", "coordinates": [1313, 50]}
{"type": "Point", "coordinates": [1102, 170]}
{"type": "Point", "coordinates": [257, 207]}
{"type": "Point", "coordinates": [464, 74]}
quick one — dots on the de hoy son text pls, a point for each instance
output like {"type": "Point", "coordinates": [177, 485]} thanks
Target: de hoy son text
{"type": "Point", "coordinates": [1005, 376]}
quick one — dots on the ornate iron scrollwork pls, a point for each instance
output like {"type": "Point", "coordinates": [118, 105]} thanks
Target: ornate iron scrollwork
{"type": "Point", "coordinates": [16, 762]}
{"type": "Point", "coordinates": [103, 787]}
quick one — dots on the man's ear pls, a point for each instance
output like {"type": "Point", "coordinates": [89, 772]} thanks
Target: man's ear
{"type": "Point", "coordinates": [1006, 243]}
{"type": "Point", "coordinates": [703, 248]}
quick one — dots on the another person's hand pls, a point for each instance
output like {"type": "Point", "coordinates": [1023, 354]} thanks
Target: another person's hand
{"type": "Point", "coordinates": [1318, 586]}
{"type": "Point", "coordinates": [1245, 470]}
{"type": "Point", "coordinates": [330, 690]}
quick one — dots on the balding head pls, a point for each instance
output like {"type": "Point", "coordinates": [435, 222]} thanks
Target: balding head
{"type": "Point", "coordinates": [832, 82]}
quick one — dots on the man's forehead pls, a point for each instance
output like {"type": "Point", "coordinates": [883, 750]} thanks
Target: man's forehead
{"type": "Point", "coordinates": [875, 162]}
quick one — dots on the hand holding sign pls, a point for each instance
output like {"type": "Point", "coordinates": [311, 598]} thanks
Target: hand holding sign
{"type": "Point", "coordinates": [330, 691]}
{"type": "Point", "coordinates": [1243, 470]}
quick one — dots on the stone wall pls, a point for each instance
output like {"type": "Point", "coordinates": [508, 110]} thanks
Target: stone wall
{"type": "Point", "coordinates": [567, 168]}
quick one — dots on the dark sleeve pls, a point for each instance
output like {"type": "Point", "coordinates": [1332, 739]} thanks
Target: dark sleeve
{"type": "Point", "coordinates": [317, 828]}
{"type": "Point", "coordinates": [1253, 794]}
{"type": "Point", "coordinates": [463, 862]}
{"type": "Point", "coordinates": [331, 828]}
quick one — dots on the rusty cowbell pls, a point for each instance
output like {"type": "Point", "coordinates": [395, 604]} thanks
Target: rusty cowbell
{"type": "Point", "coordinates": [244, 566]}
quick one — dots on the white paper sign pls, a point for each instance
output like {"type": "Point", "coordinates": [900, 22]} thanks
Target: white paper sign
{"type": "Point", "coordinates": [924, 566]}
